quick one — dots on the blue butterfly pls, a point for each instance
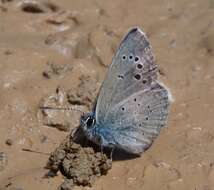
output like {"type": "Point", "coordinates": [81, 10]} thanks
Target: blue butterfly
{"type": "Point", "coordinates": [132, 105]}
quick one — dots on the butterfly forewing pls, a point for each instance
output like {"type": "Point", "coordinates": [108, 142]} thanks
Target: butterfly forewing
{"type": "Point", "coordinates": [132, 70]}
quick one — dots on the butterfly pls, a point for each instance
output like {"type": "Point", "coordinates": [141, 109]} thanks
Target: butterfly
{"type": "Point", "coordinates": [132, 105]}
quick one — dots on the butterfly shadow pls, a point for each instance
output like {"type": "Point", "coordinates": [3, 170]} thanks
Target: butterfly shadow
{"type": "Point", "coordinates": [120, 155]}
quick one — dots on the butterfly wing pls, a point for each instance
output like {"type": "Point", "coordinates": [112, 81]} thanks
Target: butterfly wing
{"type": "Point", "coordinates": [121, 77]}
{"type": "Point", "coordinates": [132, 106]}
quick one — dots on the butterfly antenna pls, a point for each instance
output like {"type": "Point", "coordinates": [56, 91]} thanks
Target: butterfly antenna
{"type": "Point", "coordinates": [60, 108]}
{"type": "Point", "coordinates": [35, 151]}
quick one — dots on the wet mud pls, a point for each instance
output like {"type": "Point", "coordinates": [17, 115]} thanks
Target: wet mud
{"type": "Point", "coordinates": [56, 53]}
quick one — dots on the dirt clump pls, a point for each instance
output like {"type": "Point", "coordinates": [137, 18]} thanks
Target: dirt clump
{"type": "Point", "coordinates": [80, 165]}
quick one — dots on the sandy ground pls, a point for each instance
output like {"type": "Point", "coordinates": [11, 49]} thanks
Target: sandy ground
{"type": "Point", "coordinates": [84, 35]}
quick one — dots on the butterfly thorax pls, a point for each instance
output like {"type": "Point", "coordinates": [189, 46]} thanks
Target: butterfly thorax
{"type": "Point", "coordinates": [97, 133]}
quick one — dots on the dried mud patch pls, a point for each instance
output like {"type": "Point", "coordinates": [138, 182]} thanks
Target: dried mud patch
{"type": "Point", "coordinates": [85, 93]}
{"type": "Point", "coordinates": [80, 165]}
{"type": "Point", "coordinates": [62, 108]}
{"type": "Point", "coordinates": [97, 45]}
{"type": "Point", "coordinates": [54, 69]}
{"type": "Point", "coordinates": [49, 113]}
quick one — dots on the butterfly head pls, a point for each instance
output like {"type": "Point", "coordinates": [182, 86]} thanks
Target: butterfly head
{"type": "Point", "coordinates": [87, 122]}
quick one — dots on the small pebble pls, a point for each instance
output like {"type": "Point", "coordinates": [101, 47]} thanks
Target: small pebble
{"type": "Point", "coordinates": [9, 142]}
{"type": "Point", "coordinates": [43, 138]}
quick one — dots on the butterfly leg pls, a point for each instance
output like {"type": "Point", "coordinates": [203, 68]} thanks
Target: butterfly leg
{"type": "Point", "coordinates": [111, 154]}
{"type": "Point", "coordinates": [101, 148]}
{"type": "Point", "coordinates": [101, 144]}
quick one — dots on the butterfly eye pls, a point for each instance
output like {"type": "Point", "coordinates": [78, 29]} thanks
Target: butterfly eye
{"type": "Point", "coordinates": [90, 121]}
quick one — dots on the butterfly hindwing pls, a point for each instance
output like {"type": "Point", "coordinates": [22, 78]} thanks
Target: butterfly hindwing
{"type": "Point", "coordinates": [137, 120]}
